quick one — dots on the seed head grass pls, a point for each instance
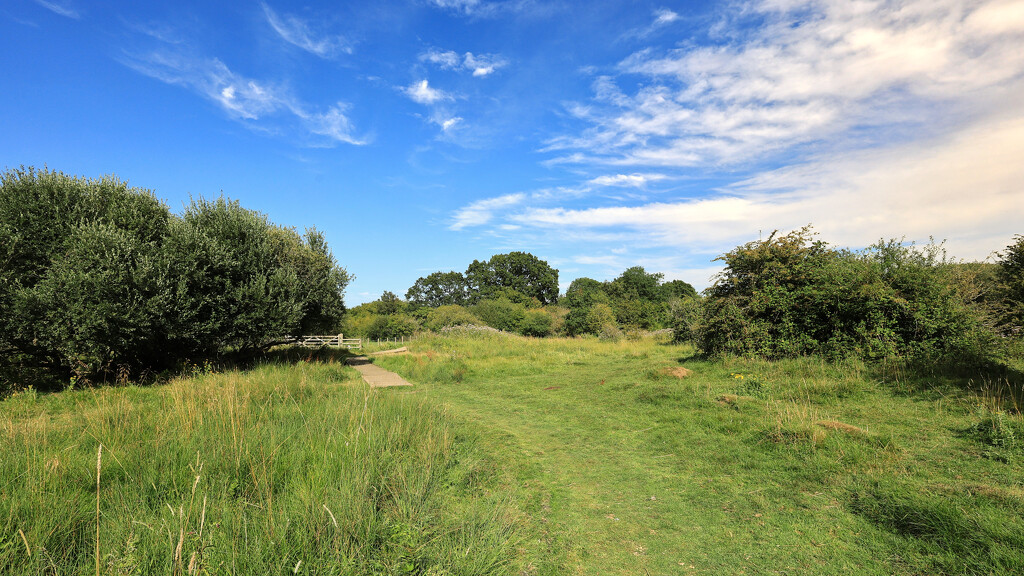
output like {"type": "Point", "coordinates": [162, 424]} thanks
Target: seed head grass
{"type": "Point", "coordinates": [284, 467]}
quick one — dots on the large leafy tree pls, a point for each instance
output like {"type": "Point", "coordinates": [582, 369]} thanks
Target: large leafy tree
{"type": "Point", "coordinates": [438, 289]}
{"type": "Point", "coordinates": [518, 271]}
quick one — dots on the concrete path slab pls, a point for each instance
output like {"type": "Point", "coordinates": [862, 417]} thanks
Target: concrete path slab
{"type": "Point", "coordinates": [376, 376]}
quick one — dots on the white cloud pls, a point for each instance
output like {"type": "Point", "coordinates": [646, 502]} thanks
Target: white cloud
{"type": "Point", "coordinates": [334, 124]}
{"type": "Point", "coordinates": [965, 187]}
{"type": "Point", "coordinates": [459, 5]}
{"type": "Point", "coordinates": [483, 65]}
{"type": "Point", "coordinates": [297, 32]}
{"type": "Point", "coordinates": [421, 92]}
{"type": "Point", "coordinates": [450, 123]}
{"type": "Point", "coordinates": [813, 72]}
{"type": "Point", "coordinates": [664, 16]}
{"type": "Point", "coordinates": [480, 65]}
{"type": "Point", "coordinates": [626, 180]}
{"type": "Point", "coordinates": [482, 211]}
{"type": "Point", "coordinates": [242, 98]}
{"type": "Point", "coordinates": [446, 59]}
{"type": "Point", "coordinates": [62, 8]}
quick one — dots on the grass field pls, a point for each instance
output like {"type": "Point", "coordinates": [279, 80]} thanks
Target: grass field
{"type": "Point", "coordinates": [520, 456]}
{"type": "Point", "coordinates": [650, 461]}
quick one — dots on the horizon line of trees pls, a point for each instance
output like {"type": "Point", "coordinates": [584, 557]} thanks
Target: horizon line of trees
{"type": "Point", "coordinates": [100, 281]}
{"type": "Point", "coordinates": [518, 292]}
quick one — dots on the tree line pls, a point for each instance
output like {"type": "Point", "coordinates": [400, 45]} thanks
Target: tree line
{"type": "Point", "coordinates": [99, 281]}
{"type": "Point", "coordinates": [518, 292]}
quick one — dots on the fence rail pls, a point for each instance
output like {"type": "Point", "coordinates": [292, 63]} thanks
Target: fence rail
{"type": "Point", "coordinates": [320, 341]}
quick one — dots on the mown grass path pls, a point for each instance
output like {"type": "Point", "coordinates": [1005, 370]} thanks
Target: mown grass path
{"type": "Point", "coordinates": [727, 471]}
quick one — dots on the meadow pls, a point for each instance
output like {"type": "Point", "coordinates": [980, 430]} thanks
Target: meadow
{"type": "Point", "coordinates": [516, 455]}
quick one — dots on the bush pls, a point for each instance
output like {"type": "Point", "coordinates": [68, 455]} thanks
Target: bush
{"type": "Point", "coordinates": [501, 314]}
{"type": "Point", "coordinates": [100, 280]}
{"type": "Point", "coordinates": [392, 326]}
{"type": "Point", "coordinates": [788, 296]}
{"type": "Point", "coordinates": [536, 323]}
{"type": "Point", "coordinates": [451, 315]}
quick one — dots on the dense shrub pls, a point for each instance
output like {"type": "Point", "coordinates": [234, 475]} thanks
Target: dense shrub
{"type": "Point", "coordinates": [100, 280]}
{"type": "Point", "coordinates": [502, 314]}
{"type": "Point", "coordinates": [536, 323]}
{"type": "Point", "coordinates": [451, 315]}
{"type": "Point", "coordinates": [789, 295]}
{"type": "Point", "coordinates": [392, 326]}
{"type": "Point", "coordinates": [1011, 275]}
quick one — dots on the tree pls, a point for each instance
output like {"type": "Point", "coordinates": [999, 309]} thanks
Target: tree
{"type": "Point", "coordinates": [438, 289]}
{"type": "Point", "coordinates": [639, 299]}
{"type": "Point", "coordinates": [519, 271]}
{"type": "Point", "coordinates": [636, 284]}
{"type": "Point", "coordinates": [579, 298]}
{"type": "Point", "coordinates": [1011, 278]}
{"type": "Point", "coordinates": [678, 289]}
{"type": "Point", "coordinates": [389, 304]}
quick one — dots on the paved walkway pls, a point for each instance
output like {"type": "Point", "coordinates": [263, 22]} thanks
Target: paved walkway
{"type": "Point", "coordinates": [376, 376]}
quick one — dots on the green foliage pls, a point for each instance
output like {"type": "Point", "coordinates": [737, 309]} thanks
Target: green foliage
{"type": "Point", "coordinates": [439, 289]}
{"type": "Point", "coordinates": [518, 271]}
{"type": "Point", "coordinates": [678, 289]}
{"type": "Point", "coordinates": [389, 304]}
{"type": "Point", "coordinates": [1011, 275]}
{"type": "Point", "coordinates": [501, 314]}
{"type": "Point", "coordinates": [580, 298]}
{"type": "Point", "coordinates": [788, 295]}
{"type": "Point", "coordinates": [536, 323]}
{"type": "Point", "coordinates": [450, 315]}
{"type": "Point", "coordinates": [101, 304]}
{"type": "Point", "coordinates": [392, 326]}
{"type": "Point", "coordinates": [601, 319]}
{"type": "Point", "coordinates": [100, 281]}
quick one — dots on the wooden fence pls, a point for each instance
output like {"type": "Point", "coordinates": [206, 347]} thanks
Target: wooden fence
{"type": "Point", "coordinates": [336, 341]}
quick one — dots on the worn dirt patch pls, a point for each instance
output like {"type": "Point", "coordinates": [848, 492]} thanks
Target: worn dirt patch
{"type": "Point", "coordinates": [732, 399]}
{"type": "Point", "coordinates": [679, 372]}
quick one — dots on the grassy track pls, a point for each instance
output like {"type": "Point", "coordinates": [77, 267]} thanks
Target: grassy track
{"type": "Point", "coordinates": [518, 456]}
{"type": "Point", "coordinates": [741, 467]}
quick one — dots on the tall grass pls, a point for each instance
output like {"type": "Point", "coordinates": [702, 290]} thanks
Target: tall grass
{"type": "Point", "coordinates": [280, 470]}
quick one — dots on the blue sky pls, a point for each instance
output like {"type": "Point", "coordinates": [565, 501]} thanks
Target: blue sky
{"type": "Point", "coordinates": [421, 135]}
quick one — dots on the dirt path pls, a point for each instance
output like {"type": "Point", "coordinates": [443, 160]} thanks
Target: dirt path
{"type": "Point", "coordinates": [376, 376]}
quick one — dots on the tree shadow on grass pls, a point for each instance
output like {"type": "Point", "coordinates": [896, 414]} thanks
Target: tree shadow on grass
{"type": "Point", "coordinates": [998, 383]}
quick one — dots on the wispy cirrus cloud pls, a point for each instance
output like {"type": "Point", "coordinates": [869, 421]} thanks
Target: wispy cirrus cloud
{"type": "Point", "coordinates": [245, 99]}
{"type": "Point", "coordinates": [487, 8]}
{"type": "Point", "coordinates": [813, 72]}
{"type": "Point", "coordinates": [65, 9]}
{"type": "Point", "coordinates": [482, 211]}
{"type": "Point", "coordinates": [480, 65]}
{"type": "Point", "coordinates": [964, 186]}
{"type": "Point", "coordinates": [626, 180]}
{"type": "Point", "coordinates": [300, 33]}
